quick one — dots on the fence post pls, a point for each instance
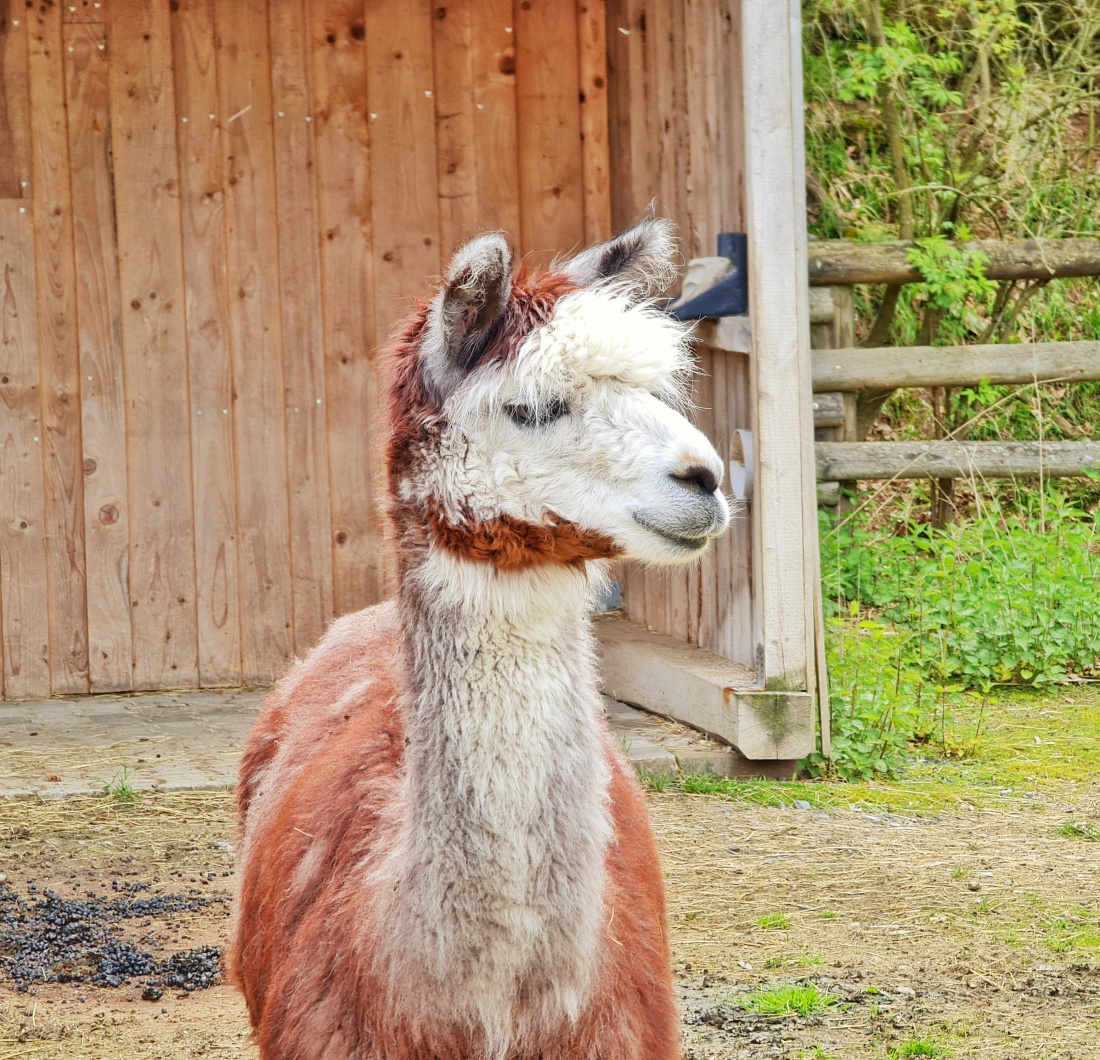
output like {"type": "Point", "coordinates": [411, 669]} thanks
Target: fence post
{"type": "Point", "coordinates": [833, 327]}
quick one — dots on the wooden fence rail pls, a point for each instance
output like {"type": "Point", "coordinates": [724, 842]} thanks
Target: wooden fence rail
{"type": "Point", "coordinates": [841, 262]}
{"type": "Point", "coordinates": [848, 461]}
{"type": "Point", "coordinates": [858, 368]}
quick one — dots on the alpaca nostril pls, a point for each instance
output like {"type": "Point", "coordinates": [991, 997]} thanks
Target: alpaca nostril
{"type": "Point", "coordinates": [698, 475]}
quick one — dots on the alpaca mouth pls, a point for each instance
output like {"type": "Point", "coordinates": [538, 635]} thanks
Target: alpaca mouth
{"type": "Point", "coordinates": [688, 542]}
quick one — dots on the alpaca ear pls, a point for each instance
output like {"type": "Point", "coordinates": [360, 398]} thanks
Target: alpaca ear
{"type": "Point", "coordinates": [467, 312]}
{"type": "Point", "coordinates": [642, 259]}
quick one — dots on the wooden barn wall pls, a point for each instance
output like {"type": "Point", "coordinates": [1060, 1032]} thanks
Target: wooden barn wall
{"type": "Point", "coordinates": [212, 212]}
{"type": "Point", "coordinates": [676, 140]}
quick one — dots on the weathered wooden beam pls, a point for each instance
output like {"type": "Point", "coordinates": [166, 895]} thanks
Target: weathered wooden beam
{"type": "Point", "coordinates": [872, 369]}
{"type": "Point", "coordinates": [842, 262]}
{"type": "Point", "coordinates": [829, 410]}
{"type": "Point", "coordinates": [703, 690]}
{"type": "Point", "coordinates": [949, 459]}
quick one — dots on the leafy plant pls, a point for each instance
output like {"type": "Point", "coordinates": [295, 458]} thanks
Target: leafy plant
{"type": "Point", "coordinates": [1073, 830]}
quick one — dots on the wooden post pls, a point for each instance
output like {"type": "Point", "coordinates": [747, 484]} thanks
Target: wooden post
{"type": "Point", "coordinates": [786, 571]}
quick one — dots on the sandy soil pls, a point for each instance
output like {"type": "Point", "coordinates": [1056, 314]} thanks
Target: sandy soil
{"type": "Point", "coordinates": [976, 935]}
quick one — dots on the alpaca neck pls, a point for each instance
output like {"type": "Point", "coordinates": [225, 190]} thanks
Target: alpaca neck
{"type": "Point", "coordinates": [503, 833]}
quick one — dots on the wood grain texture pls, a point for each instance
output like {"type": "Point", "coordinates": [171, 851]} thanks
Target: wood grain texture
{"type": "Point", "coordinates": [549, 129]}
{"type": "Point", "coordinates": [303, 325]}
{"type": "Point", "coordinates": [84, 12]}
{"type": "Point", "coordinates": [628, 113]}
{"type": "Point", "coordinates": [154, 341]}
{"type": "Point", "coordinates": [475, 104]}
{"type": "Point", "coordinates": [209, 366]}
{"type": "Point", "coordinates": [58, 353]}
{"type": "Point", "coordinates": [949, 459]}
{"type": "Point", "coordinates": [15, 125]}
{"type": "Point", "coordinates": [456, 156]}
{"type": "Point", "coordinates": [842, 261]}
{"type": "Point", "coordinates": [255, 330]}
{"type": "Point", "coordinates": [24, 629]}
{"type": "Point", "coordinates": [857, 368]}
{"type": "Point", "coordinates": [780, 357]}
{"type": "Point", "coordinates": [595, 160]}
{"type": "Point", "coordinates": [352, 394]}
{"type": "Point", "coordinates": [404, 203]}
{"type": "Point", "coordinates": [102, 395]}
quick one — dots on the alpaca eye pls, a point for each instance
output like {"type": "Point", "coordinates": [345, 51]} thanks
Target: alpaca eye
{"type": "Point", "coordinates": [527, 416]}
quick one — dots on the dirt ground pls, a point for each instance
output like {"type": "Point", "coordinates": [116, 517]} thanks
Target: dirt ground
{"type": "Point", "coordinates": [970, 935]}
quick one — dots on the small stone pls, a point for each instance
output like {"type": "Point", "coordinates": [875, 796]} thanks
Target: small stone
{"type": "Point", "coordinates": [801, 804]}
{"type": "Point", "coordinates": [152, 993]}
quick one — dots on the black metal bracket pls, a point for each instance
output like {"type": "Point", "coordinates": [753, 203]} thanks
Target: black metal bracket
{"type": "Point", "coordinates": [729, 297]}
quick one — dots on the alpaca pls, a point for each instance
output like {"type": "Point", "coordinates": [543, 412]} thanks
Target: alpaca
{"type": "Point", "coordinates": [443, 854]}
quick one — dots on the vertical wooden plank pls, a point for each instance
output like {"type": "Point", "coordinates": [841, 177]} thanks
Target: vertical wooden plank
{"type": "Point", "coordinates": [475, 101]}
{"type": "Point", "coordinates": [496, 150]}
{"type": "Point", "coordinates": [252, 254]}
{"type": "Point", "coordinates": [592, 38]}
{"type": "Point", "coordinates": [629, 112]}
{"type": "Point", "coordinates": [549, 127]}
{"type": "Point", "coordinates": [303, 331]}
{"type": "Point", "coordinates": [630, 171]}
{"type": "Point", "coordinates": [15, 127]}
{"type": "Point", "coordinates": [702, 580]}
{"type": "Point", "coordinates": [352, 386]}
{"type": "Point", "coordinates": [102, 397]}
{"type": "Point", "coordinates": [404, 203]}
{"type": "Point", "coordinates": [24, 629]}
{"type": "Point", "coordinates": [154, 343]}
{"type": "Point", "coordinates": [210, 371]}
{"type": "Point", "coordinates": [453, 92]}
{"type": "Point", "coordinates": [775, 207]}
{"type": "Point", "coordinates": [58, 355]}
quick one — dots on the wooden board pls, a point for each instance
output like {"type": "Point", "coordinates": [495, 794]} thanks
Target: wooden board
{"type": "Point", "coordinates": [24, 629]}
{"type": "Point", "coordinates": [475, 107]}
{"type": "Point", "coordinates": [949, 459]}
{"type": "Point", "coordinates": [15, 129]}
{"type": "Point", "coordinates": [549, 129]}
{"type": "Point", "coordinates": [102, 396]}
{"type": "Point", "coordinates": [303, 325]}
{"type": "Point", "coordinates": [210, 374]}
{"type": "Point", "coordinates": [58, 353]}
{"type": "Point", "coordinates": [856, 368]}
{"type": "Point", "coordinates": [352, 395]}
{"type": "Point", "coordinates": [162, 538]}
{"type": "Point", "coordinates": [252, 253]}
{"type": "Point", "coordinates": [783, 541]}
{"type": "Point", "coordinates": [595, 163]}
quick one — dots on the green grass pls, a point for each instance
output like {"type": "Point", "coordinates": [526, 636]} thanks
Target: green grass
{"type": "Point", "coordinates": [1076, 932]}
{"type": "Point", "coordinates": [917, 1047]}
{"type": "Point", "coordinates": [120, 787]}
{"type": "Point", "coordinates": [806, 960]}
{"type": "Point", "coordinates": [1074, 830]}
{"type": "Point", "coordinates": [773, 922]}
{"type": "Point", "coordinates": [788, 1000]}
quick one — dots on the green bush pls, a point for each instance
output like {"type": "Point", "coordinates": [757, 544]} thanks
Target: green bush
{"type": "Point", "coordinates": [922, 617]}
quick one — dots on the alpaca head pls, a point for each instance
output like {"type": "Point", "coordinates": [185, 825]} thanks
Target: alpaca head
{"type": "Point", "coordinates": [538, 418]}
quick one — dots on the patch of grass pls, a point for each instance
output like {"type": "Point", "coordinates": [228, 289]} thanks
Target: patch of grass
{"type": "Point", "coordinates": [808, 960]}
{"type": "Point", "coordinates": [773, 922]}
{"type": "Point", "coordinates": [1073, 830]}
{"type": "Point", "coordinates": [827, 914]}
{"type": "Point", "coordinates": [1077, 931]}
{"type": "Point", "coordinates": [917, 1047]}
{"type": "Point", "coordinates": [817, 1053]}
{"type": "Point", "coordinates": [784, 999]}
{"type": "Point", "coordinates": [655, 781]}
{"type": "Point", "coordinates": [960, 872]}
{"type": "Point", "coordinates": [120, 787]}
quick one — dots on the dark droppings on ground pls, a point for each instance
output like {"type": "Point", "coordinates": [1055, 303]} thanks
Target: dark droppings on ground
{"type": "Point", "coordinates": [46, 938]}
